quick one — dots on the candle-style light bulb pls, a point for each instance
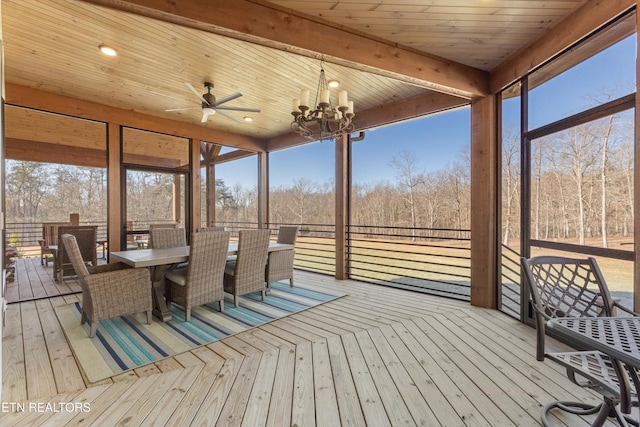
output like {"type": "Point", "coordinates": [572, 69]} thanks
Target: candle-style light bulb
{"type": "Point", "coordinates": [342, 99]}
{"type": "Point", "coordinates": [304, 97]}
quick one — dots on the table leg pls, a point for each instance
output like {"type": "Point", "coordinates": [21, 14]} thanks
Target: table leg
{"type": "Point", "coordinates": [160, 308]}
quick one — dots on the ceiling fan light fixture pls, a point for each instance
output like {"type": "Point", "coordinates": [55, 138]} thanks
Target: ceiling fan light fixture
{"type": "Point", "coordinates": [107, 50]}
{"type": "Point", "coordinates": [208, 110]}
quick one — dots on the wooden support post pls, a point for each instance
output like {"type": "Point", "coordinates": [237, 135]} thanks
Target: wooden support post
{"type": "Point", "coordinates": [342, 205]}
{"type": "Point", "coordinates": [485, 161]}
{"type": "Point", "coordinates": [114, 198]}
{"type": "Point", "coordinates": [194, 187]}
{"type": "Point", "coordinates": [263, 190]}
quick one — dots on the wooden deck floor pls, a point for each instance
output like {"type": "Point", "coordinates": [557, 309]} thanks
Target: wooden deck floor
{"type": "Point", "coordinates": [377, 357]}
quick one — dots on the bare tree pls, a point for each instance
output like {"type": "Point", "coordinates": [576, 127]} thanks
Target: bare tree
{"type": "Point", "coordinates": [405, 166]}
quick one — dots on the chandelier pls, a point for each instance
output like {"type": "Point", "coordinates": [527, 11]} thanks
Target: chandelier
{"type": "Point", "coordinates": [325, 121]}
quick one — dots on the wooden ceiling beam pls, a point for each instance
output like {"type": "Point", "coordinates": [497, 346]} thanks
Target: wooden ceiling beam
{"type": "Point", "coordinates": [387, 114]}
{"type": "Point", "coordinates": [45, 152]}
{"type": "Point", "coordinates": [233, 155]}
{"type": "Point", "coordinates": [584, 21]}
{"type": "Point", "coordinates": [46, 101]}
{"type": "Point", "coordinates": [266, 24]}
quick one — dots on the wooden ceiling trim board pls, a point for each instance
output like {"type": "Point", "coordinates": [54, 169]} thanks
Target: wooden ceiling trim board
{"type": "Point", "coordinates": [33, 98]}
{"type": "Point", "coordinates": [584, 21]}
{"type": "Point", "coordinates": [37, 151]}
{"type": "Point", "coordinates": [275, 27]}
{"type": "Point", "coordinates": [387, 114]}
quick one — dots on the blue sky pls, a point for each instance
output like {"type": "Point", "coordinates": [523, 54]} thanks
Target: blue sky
{"type": "Point", "coordinates": [437, 140]}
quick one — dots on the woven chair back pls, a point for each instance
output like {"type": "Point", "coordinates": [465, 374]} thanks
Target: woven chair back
{"type": "Point", "coordinates": [207, 258]}
{"type": "Point", "coordinates": [288, 235]}
{"type": "Point", "coordinates": [73, 252]}
{"type": "Point", "coordinates": [162, 238]}
{"type": "Point", "coordinates": [86, 238]}
{"type": "Point", "coordinates": [253, 246]}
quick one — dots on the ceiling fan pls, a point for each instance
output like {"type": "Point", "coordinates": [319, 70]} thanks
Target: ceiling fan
{"type": "Point", "coordinates": [210, 105]}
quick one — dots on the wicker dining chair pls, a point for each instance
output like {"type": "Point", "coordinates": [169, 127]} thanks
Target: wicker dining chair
{"type": "Point", "coordinates": [201, 282]}
{"type": "Point", "coordinates": [245, 273]}
{"type": "Point", "coordinates": [109, 290]}
{"type": "Point", "coordinates": [156, 226]}
{"type": "Point", "coordinates": [568, 287]}
{"type": "Point", "coordinates": [162, 238]}
{"type": "Point", "coordinates": [213, 228]}
{"type": "Point", "coordinates": [280, 263]}
{"type": "Point", "coordinates": [86, 236]}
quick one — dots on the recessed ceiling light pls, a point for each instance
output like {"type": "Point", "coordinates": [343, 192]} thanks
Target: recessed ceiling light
{"type": "Point", "coordinates": [248, 119]}
{"type": "Point", "coordinates": [333, 83]}
{"type": "Point", "coordinates": [109, 51]}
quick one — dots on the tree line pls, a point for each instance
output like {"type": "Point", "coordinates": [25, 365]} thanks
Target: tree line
{"type": "Point", "coordinates": [581, 183]}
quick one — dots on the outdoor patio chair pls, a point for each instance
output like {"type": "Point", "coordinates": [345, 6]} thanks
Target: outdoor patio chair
{"type": "Point", "coordinates": [567, 287]}
{"type": "Point", "coordinates": [280, 263]}
{"type": "Point", "coordinates": [156, 226]}
{"type": "Point", "coordinates": [86, 236]}
{"type": "Point", "coordinates": [49, 238]}
{"type": "Point", "coordinates": [214, 228]}
{"type": "Point", "coordinates": [162, 238]}
{"type": "Point", "coordinates": [245, 273]}
{"type": "Point", "coordinates": [201, 282]}
{"type": "Point", "coordinates": [109, 290]}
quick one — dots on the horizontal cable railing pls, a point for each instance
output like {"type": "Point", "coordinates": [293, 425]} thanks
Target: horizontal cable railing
{"type": "Point", "coordinates": [25, 235]}
{"type": "Point", "coordinates": [315, 247]}
{"type": "Point", "coordinates": [511, 282]}
{"type": "Point", "coordinates": [432, 260]}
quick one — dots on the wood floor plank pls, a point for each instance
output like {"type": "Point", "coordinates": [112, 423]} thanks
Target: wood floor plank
{"type": "Point", "coordinates": [136, 393]}
{"type": "Point", "coordinates": [476, 369]}
{"type": "Point", "coordinates": [396, 407]}
{"type": "Point", "coordinates": [370, 400]}
{"type": "Point", "coordinates": [423, 407]}
{"type": "Point", "coordinates": [258, 404]}
{"type": "Point", "coordinates": [166, 404]}
{"type": "Point", "coordinates": [40, 378]}
{"type": "Point", "coordinates": [282, 394]}
{"type": "Point", "coordinates": [193, 399]}
{"type": "Point", "coordinates": [346, 394]}
{"type": "Point", "coordinates": [326, 401]}
{"type": "Point", "coordinates": [238, 397]}
{"type": "Point", "coordinates": [303, 408]}
{"type": "Point", "coordinates": [14, 376]}
{"type": "Point", "coordinates": [138, 412]}
{"type": "Point", "coordinates": [443, 393]}
{"type": "Point", "coordinates": [65, 369]}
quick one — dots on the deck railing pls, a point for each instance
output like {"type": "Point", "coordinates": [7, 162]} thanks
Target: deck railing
{"type": "Point", "coordinates": [423, 259]}
{"type": "Point", "coordinates": [433, 260]}
{"type": "Point", "coordinates": [25, 236]}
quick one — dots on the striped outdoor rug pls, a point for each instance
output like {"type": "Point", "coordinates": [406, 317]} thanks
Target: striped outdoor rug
{"type": "Point", "coordinates": [127, 342]}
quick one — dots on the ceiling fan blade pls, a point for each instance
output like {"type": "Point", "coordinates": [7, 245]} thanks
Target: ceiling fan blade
{"type": "Point", "coordinates": [185, 108]}
{"type": "Point", "coordinates": [250, 110]}
{"type": "Point", "coordinates": [227, 98]}
{"type": "Point", "coordinates": [205, 117]}
{"type": "Point", "coordinates": [195, 92]}
{"type": "Point", "coordinates": [228, 116]}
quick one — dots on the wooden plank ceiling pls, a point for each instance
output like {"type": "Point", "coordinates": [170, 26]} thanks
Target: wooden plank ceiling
{"type": "Point", "coordinates": [52, 46]}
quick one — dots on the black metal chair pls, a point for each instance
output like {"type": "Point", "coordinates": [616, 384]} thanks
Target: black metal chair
{"type": "Point", "coordinates": [568, 287]}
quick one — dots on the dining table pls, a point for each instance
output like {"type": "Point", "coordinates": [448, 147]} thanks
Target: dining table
{"type": "Point", "coordinates": [617, 337]}
{"type": "Point", "coordinates": [159, 261]}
